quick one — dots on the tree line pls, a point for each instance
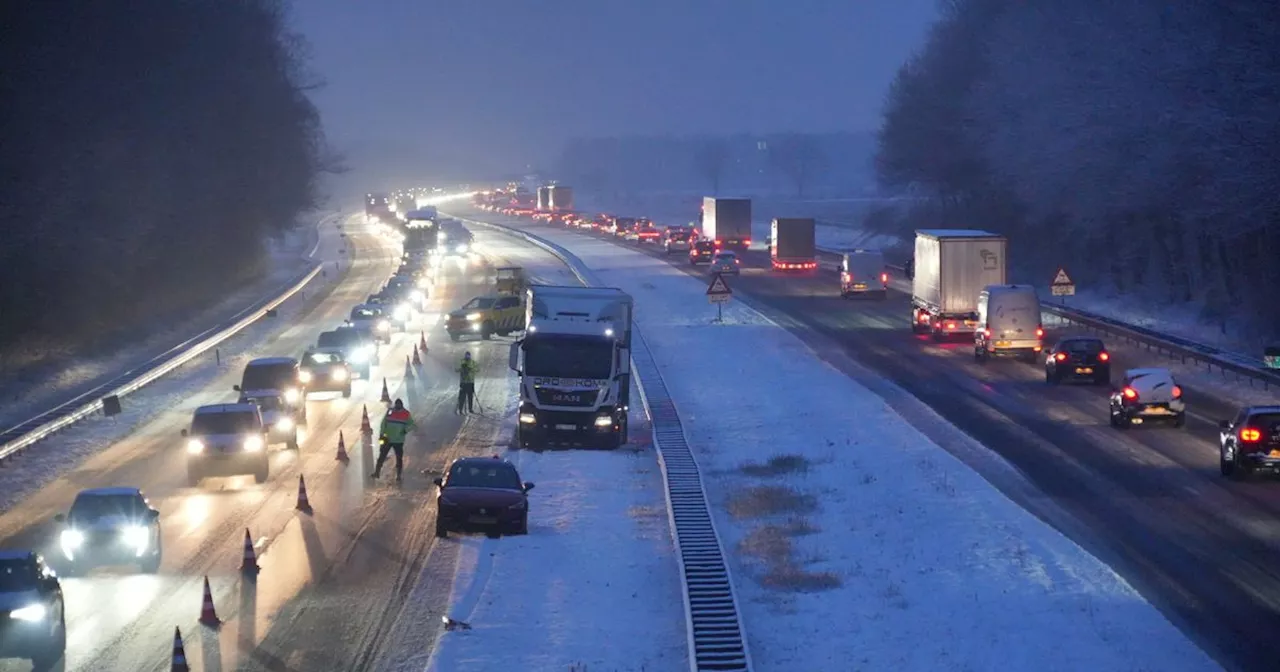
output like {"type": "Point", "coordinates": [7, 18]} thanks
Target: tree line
{"type": "Point", "coordinates": [151, 148]}
{"type": "Point", "coordinates": [1135, 143]}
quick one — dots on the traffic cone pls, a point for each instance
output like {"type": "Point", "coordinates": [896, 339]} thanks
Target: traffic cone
{"type": "Point", "coordinates": [364, 420]}
{"type": "Point", "coordinates": [250, 563]}
{"type": "Point", "coordinates": [386, 394]}
{"type": "Point", "coordinates": [208, 616]}
{"type": "Point", "coordinates": [417, 361]}
{"type": "Point", "coordinates": [342, 448]}
{"type": "Point", "coordinates": [303, 504]}
{"type": "Point", "coordinates": [422, 343]}
{"type": "Point", "coordinates": [179, 653]}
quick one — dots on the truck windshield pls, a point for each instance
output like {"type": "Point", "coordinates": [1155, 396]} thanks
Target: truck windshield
{"type": "Point", "coordinates": [568, 358]}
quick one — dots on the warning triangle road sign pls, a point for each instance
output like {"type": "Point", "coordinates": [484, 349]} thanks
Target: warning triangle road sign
{"type": "Point", "coordinates": [1061, 278]}
{"type": "Point", "coordinates": [718, 286]}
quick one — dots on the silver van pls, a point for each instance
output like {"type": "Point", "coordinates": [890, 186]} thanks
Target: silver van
{"type": "Point", "coordinates": [862, 272]}
{"type": "Point", "coordinates": [1008, 323]}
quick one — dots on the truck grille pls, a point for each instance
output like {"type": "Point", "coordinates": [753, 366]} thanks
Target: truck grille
{"type": "Point", "coordinates": [552, 397]}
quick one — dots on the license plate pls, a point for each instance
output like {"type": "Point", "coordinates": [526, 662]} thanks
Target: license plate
{"type": "Point", "coordinates": [970, 323]}
{"type": "Point", "coordinates": [1157, 410]}
{"type": "Point", "coordinates": [1084, 369]}
{"type": "Point", "coordinates": [860, 285]}
{"type": "Point", "coordinates": [567, 428]}
{"type": "Point", "coordinates": [1003, 344]}
{"type": "Point", "coordinates": [1275, 453]}
{"type": "Point", "coordinates": [482, 520]}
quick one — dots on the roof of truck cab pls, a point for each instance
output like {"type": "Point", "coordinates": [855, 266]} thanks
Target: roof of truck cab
{"type": "Point", "coordinates": [957, 233]}
{"type": "Point", "coordinates": [271, 361]}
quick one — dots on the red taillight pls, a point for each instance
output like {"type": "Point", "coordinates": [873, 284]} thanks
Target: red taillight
{"type": "Point", "coordinates": [1102, 356]}
{"type": "Point", "coordinates": [884, 277]}
{"type": "Point", "coordinates": [1039, 332]}
{"type": "Point", "coordinates": [1177, 392]}
{"type": "Point", "coordinates": [747, 242]}
{"type": "Point", "coordinates": [1061, 356]}
{"type": "Point", "coordinates": [1250, 435]}
{"type": "Point", "coordinates": [1130, 393]}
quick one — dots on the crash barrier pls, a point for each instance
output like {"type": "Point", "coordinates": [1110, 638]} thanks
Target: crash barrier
{"type": "Point", "coordinates": [1254, 370]}
{"type": "Point", "coordinates": [712, 618]}
{"type": "Point", "coordinates": [23, 435]}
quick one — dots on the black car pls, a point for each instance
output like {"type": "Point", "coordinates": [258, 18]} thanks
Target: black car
{"type": "Point", "coordinates": [110, 526]}
{"type": "Point", "coordinates": [33, 624]}
{"type": "Point", "coordinates": [702, 252]}
{"type": "Point", "coordinates": [325, 371]}
{"type": "Point", "coordinates": [482, 494]}
{"type": "Point", "coordinates": [1080, 358]}
{"type": "Point", "coordinates": [1250, 442]}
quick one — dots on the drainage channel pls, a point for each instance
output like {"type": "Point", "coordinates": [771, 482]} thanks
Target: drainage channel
{"type": "Point", "coordinates": [716, 640]}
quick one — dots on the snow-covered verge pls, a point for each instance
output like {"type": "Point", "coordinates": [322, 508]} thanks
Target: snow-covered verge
{"type": "Point", "coordinates": [1182, 321]}
{"type": "Point", "coordinates": [27, 390]}
{"type": "Point", "coordinates": [863, 545]}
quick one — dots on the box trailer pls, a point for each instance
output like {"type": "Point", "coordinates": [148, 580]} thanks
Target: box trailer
{"type": "Point", "coordinates": [727, 222]}
{"type": "Point", "coordinates": [792, 245]}
{"type": "Point", "coordinates": [952, 267]}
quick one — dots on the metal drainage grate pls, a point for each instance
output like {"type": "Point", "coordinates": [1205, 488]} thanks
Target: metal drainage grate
{"type": "Point", "coordinates": [716, 640]}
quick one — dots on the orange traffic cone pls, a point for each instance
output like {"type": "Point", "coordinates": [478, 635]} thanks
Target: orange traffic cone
{"type": "Point", "coordinates": [408, 367]}
{"type": "Point", "coordinates": [417, 361]}
{"type": "Point", "coordinates": [342, 448]}
{"type": "Point", "coordinates": [386, 394]}
{"type": "Point", "coordinates": [422, 343]}
{"type": "Point", "coordinates": [179, 653]}
{"type": "Point", "coordinates": [249, 565]}
{"type": "Point", "coordinates": [208, 616]}
{"type": "Point", "coordinates": [364, 420]}
{"type": "Point", "coordinates": [303, 504]}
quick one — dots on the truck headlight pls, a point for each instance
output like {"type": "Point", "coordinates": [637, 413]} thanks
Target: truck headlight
{"type": "Point", "coordinates": [384, 326]}
{"type": "Point", "coordinates": [339, 374]}
{"type": "Point", "coordinates": [291, 395]}
{"type": "Point", "coordinates": [474, 316]}
{"type": "Point", "coordinates": [284, 424]}
{"type": "Point", "coordinates": [359, 356]}
{"type": "Point", "coordinates": [34, 612]}
{"type": "Point", "coordinates": [137, 536]}
{"type": "Point", "coordinates": [402, 312]}
{"type": "Point", "coordinates": [195, 447]}
{"type": "Point", "coordinates": [304, 377]}
{"type": "Point", "coordinates": [418, 297]}
{"type": "Point", "coordinates": [604, 421]}
{"type": "Point", "coordinates": [462, 249]}
{"type": "Point", "coordinates": [72, 538]}
{"type": "Point", "coordinates": [253, 444]}
{"type": "Point", "coordinates": [527, 419]}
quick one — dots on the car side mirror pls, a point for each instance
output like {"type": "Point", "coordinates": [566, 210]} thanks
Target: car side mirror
{"type": "Point", "coordinates": [528, 486]}
{"type": "Point", "coordinates": [1225, 424]}
{"type": "Point", "coordinates": [236, 388]}
{"type": "Point", "coordinates": [184, 433]}
{"type": "Point", "coordinates": [438, 481]}
{"type": "Point", "coordinates": [60, 518]}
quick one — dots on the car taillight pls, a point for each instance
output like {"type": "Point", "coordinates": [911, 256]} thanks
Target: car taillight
{"type": "Point", "coordinates": [747, 242]}
{"type": "Point", "coordinates": [1102, 356]}
{"type": "Point", "coordinates": [1039, 332]}
{"type": "Point", "coordinates": [1061, 356]}
{"type": "Point", "coordinates": [951, 325]}
{"type": "Point", "coordinates": [1177, 392]}
{"type": "Point", "coordinates": [884, 277]}
{"type": "Point", "coordinates": [1250, 435]}
{"type": "Point", "coordinates": [1130, 393]}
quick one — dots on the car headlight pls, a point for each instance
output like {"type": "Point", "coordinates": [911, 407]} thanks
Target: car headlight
{"type": "Point", "coordinates": [384, 326]}
{"type": "Point", "coordinates": [72, 538]}
{"type": "Point", "coordinates": [291, 395]}
{"type": "Point", "coordinates": [423, 283]}
{"type": "Point", "coordinates": [462, 249]}
{"type": "Point", "coordinates": [418, 296]}
{"type": "Point", "coordinates": [284, 424]}
{"type": "Point", "coordinates": [195, 446]}
{"type": "Point", "coordinates": [339, 374]}
{"type": "Point", "coordinates": [137, 536]}
{"type": "Point", "coordinates": [34, 612]}
{"type": "Point", "coordinates": [304, 377]}
{"type": "Point", "coordinates": [402, 312]}
{"type": "Point", "coordinates": [253, 444]}
{"type": "Point", "coordinates": [519, 506]}
{"type": "Point", "coordinates": [359, 356]}
{"type": "Point", "coordinates": [527, 418]}
{"type": "Point", "coordinates": [604, 421]}
{"type": "Point", "coordinates": [474, 316]}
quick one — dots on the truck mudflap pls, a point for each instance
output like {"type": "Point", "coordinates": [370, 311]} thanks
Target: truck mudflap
{"type": "Point", "coordinates": [539, 428]}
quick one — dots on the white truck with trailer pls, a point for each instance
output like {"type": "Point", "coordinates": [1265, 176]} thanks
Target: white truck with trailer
{"type": "Point", "coordinates": [952, 267]}
{"type": "Point", "coordinates": [574, 364]}
{"type": "Point", "coordinates": [560, 198]}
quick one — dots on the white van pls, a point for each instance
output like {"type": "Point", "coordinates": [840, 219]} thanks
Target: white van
{"type": "Point", "coordinates": [1008, 323]}
{"type": "Point", "coordinates": [863, 272]}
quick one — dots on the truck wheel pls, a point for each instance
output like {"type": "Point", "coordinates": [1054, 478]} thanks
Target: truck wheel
{"type": "Point", "coordinates": [263, 472]}
{"type": "Point", "coordinates": [486, 331]}
{"type": "Point", "coordinates": [346, 392]}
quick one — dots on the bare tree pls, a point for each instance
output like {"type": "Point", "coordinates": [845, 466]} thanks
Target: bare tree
{"type": "Point", "coordinates": [798, 156]}
{"type": "Point", "coordinates": [712, 159]}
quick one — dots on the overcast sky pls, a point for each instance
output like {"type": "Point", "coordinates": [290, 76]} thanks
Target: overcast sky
{"type": "Point", "coordinates": [489, 84]}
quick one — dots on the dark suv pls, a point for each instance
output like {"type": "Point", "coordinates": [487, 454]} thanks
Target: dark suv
{"type": "Point", "coordinates": [702, 252]}
{"type": "Point", "coordinates": [110, 526]}
{"type": "Point", "coordinates": [1250, 442]}
{"type": "Point", "coordinates": [325, 371]}
{"type": "Point", "coordinates": [33, 624]}
{"type": "Point", "coordinates": [275, 377]}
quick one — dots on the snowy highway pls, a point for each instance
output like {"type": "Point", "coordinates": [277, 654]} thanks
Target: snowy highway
{"type": "Point", "coordinates": [333, 584]}
{"type": "Point", "coordinates": [1149, 502]}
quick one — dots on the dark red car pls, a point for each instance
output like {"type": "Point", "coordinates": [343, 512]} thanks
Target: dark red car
{"type": "Point", "coordinates": [482, 494]}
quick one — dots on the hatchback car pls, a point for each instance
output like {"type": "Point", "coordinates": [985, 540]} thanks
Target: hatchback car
{"type": "Point", "coordinates": [226, 440]}
{"type": "Point", "coordinates": [324, 371]}
{"type": "Point", "coordinates": [34, 625]}
{"type": "Point", "coordinates": [482, 494]}
{"type": "Point", "coordinates": [725, 263]}
{"type": "Point", "coordinates": [1079, 358]}
{"type": "Point", "coordinates": [701, 252]}
{"type": "Point", "coordinates": [110, 526]}
{"type": "Point", "coordinates": [1147, 395]}
{"type": "Point", "coordinates": [1250, 442]}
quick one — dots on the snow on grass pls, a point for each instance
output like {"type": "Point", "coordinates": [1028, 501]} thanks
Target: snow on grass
{"type": "Point", "coordinates": [29, 390]}
{"type": "Point", "coordinates": [858, 543]}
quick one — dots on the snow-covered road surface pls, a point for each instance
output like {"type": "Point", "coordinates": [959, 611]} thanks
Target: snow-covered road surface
{"type": "Point", "coordinates": [860, 543]}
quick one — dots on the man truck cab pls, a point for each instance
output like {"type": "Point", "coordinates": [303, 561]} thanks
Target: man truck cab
{"type": "Point", "coordinates": [1008, 323]}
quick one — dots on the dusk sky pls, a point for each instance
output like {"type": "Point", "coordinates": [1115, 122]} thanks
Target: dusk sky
{"type": "Point", "coordinates": [499, 84]}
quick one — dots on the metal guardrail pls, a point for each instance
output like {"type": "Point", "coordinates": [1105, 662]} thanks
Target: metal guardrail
{"type": "Point", "coordinates": [25, 434]}
{"type": "Point", "coordinates": [713, 625]}
{"type": "Point", "coordinates": [1174, 347]}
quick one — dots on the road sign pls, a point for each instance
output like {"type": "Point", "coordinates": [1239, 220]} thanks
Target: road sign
{"type": "Point", "coordinates": [718, 291]}
{"type": "Point", "coordinates": [1062, 284]}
